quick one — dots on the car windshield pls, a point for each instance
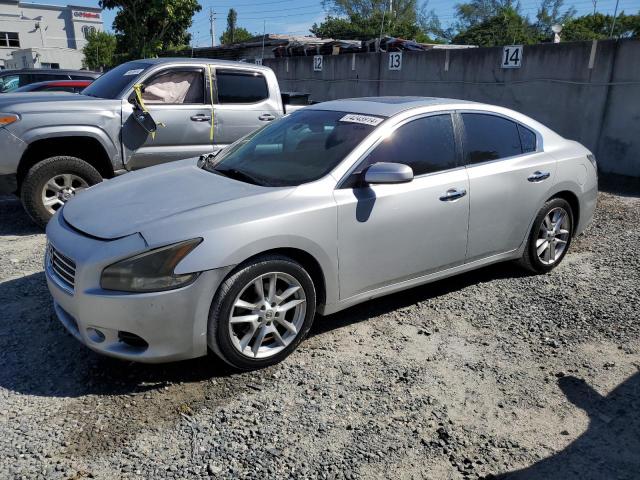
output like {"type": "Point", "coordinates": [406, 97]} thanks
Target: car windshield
{"type": "Point", "coordinates": [114, 82]}
{"type": "Point", "coordinates": [297, 149]}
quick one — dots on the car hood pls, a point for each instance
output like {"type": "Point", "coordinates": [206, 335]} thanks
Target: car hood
{"type": "Point", "coordinates": [28, 102]}
{"type": "Point", "coordinates": [146, 198]}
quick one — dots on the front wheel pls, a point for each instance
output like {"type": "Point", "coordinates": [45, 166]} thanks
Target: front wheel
{"type": "Point", "coordinates": [550, 237]}
{"type": "Point", "coordinates": [262, 312]}
{"type": "Point", "coordinates": [52, 182]}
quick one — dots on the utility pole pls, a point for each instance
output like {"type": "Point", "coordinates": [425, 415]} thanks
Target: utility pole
{"type": "Point", "coordinates": [615, 16]}
{"type": "Point", "coordinates": [212, 21]}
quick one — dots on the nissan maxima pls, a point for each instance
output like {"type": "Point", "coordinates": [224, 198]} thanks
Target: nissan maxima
{"type": "Point", "coordinates": [333, 205]}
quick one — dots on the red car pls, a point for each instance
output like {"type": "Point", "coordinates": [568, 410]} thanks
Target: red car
{"type": "Point", "coordinates": [72, 86]}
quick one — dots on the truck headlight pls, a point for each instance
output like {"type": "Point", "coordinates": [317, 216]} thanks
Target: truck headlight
{"type": "Point", "coordinates": [8, 119]}
{"type": "Point", "coordinates": [151, 271]}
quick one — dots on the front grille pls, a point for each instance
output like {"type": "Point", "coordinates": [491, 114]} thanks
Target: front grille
{"type": "Point", "coordinates": [63, 267]}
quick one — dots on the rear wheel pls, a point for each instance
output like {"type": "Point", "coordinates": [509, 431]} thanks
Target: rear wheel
{"type": "Point", "coordinates": [262, 312]}
{"type": "Point", "coordinates": [550, 236]}
{"type": "Point", "coordinates": [52, 182]}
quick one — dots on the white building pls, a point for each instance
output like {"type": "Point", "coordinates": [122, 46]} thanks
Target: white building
{"type": "Point", "coordinates": [34, 35]}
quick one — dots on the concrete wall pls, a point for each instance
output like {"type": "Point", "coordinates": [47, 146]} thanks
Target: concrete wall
{"type": "Point", "coordinates": [585, 92]}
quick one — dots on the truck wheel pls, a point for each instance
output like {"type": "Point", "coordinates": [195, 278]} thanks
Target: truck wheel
{"type": "Point", "coordinates": [53, 181]}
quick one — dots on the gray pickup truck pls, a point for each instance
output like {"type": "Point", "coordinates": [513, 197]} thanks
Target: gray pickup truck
{"type": "Point", "coordinates": [139, 114]}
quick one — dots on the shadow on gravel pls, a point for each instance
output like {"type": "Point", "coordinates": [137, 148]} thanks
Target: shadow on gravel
{"type": "Point", "coordinates": [619, 185]}
{"type": "Point", "coordinates": [389, 303]}
{"type": "Point", "coordinates": [39, 357]}
{"type": "Point", "coordinates": [13, 219]}
{"type": "Point", "coordinates": [610, 446]}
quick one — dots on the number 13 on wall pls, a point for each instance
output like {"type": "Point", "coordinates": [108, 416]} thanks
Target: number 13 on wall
{"type": "Point", "coordinates": [395, 61]}
{"type": "Point", "coordinates": [512, 56]}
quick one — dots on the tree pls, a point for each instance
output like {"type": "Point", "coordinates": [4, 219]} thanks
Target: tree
{"type": "Point", "coordinates": [99, 52]}
{"type": "Point", "coordinates": [550, 13]}
{"type": "Point", "coordinates": [146, 27]}
{"type": "Point", "coordinates": [508, 27]}
{"type": "Point", "coordinates": [240, 35]}
{"type": "Point", "coordinates": [233, 33]}
{"type": "Point", "coordinates": [475, 12]}
{"type": "Point", "coordinates": [598, 26]}
{"type": "Point", "coordinates": [367, 19]}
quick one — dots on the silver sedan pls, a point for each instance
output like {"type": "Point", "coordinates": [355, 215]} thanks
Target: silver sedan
{"type": "Point", "coordinates": [331, 206]}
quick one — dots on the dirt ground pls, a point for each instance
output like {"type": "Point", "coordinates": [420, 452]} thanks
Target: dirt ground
{"type": "Point", "coordinates": [492, 374]}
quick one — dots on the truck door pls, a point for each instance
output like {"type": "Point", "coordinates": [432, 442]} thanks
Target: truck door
{"type": "Point", "coordinates": [243, 104]}
{"type": "Point", "coordinates": [177, 99]}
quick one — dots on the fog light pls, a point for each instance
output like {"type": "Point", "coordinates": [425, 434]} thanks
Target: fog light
{"type": "Point", "coordinates": [95, 335]}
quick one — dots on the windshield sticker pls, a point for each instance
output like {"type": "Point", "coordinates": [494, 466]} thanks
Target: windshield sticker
{"type": "Point", "coordinates": [134, 72]}
{"type": "Point", "coordinates": [364, 119]}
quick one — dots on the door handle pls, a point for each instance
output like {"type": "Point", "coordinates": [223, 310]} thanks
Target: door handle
{"type": "Point", "coordinates": [538, 176]}
{"type": "Point", "coordinates": [453, 194]}
{"type": "Point", "coordinates": [266, 117]}
{"type": "Point", "coordinates": [200, 118]}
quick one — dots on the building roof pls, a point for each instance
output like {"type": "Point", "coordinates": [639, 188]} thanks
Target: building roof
{"type": "Point", "coordinates": [384, 106]}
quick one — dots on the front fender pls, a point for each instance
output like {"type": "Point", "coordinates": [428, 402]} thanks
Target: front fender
{"type": "Point", "coordinates": [43, 133]}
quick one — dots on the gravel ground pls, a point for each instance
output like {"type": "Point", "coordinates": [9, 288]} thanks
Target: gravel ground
{"type": "Point", "coordinates": [492, 374]}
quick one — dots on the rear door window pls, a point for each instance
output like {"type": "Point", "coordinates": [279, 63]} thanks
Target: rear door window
{"type": "Point", "coordinates": [527, 139]}
{"type": "Point", "coordinates": [427, 145]}
{"type": "Point", "coordinates": [238, 86]}
{"type": "Point", "coordinates": [489, 137]}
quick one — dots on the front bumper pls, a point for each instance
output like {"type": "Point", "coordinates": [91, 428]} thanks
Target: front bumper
{"type": "Point", "coordinates": [148, 327]}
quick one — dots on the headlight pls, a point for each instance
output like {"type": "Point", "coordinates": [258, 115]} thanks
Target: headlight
{"type": "Point", "coordinates": [8, 119]}
{"type": "Point", "coordinates": [592, 159]}
{"type": "Point", "coordinates": [152, 271]}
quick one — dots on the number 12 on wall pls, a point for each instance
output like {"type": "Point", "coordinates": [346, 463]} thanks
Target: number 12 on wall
{"type": "Point", "coordinates": [512, 56]}
{"type": "Point", "coordinates": [395, 61]}
{"type": "Point", "coordinates": [317, 63]}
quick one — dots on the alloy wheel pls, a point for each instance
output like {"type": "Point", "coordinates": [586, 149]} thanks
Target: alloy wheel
{"type": "Point", "coordinates": [553, 236]}
{"type": "Point", "coordinates": [60, 189]}
{"type": "Point", "coordinates": [267, 315]}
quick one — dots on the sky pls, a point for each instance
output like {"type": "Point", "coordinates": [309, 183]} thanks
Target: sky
{"type": "Point", "coordinates": [296, 17]}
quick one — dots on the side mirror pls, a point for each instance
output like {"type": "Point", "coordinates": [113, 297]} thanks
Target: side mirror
{"type": "Point", "coordinates": [145, 120]}
{"type": "Point", "coordinates": [387, 173]}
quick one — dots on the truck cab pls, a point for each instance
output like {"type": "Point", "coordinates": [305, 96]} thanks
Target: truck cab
{"type": "Point", "coordinates": [58, 145]}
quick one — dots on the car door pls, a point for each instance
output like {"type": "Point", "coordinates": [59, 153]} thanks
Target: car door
{"type": "Point", "coordinates": [177, 99]}
{"type": "Point", "coordinates": [509, 177]}
{"type": "Point", "coordinates": [391, 233]}
{"type": "Point", "coordinates": [243, 104]}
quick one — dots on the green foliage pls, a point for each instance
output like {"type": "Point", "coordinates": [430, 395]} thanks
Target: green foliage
{"type": "Point", "coordinates": [598, 26]}
{"type": "Point", "coordinates": [144, 28]}
{"type": "Point", "coordinates": [233, 33]}
{"type": "Point", "coordinates": [363, 20]}
{"type": "Point", "coordinates": [240, 35]}
{"type": "Point", "coordinates": [508, 27]}
{"type": "Point", "coordinates": [550, 13]}
{"type": "Point", "coordinates": [99, 52]}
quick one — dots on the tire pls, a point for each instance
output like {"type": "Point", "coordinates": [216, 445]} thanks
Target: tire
{"type": "Point", "coordinates": [78, 173]}
{"type": "Point", "coordinates": [543, 262]}
{"type": "Point", "coordinates": [225, 338]}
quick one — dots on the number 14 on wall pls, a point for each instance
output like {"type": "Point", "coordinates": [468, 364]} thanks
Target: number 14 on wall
{"type": "Point", "coordinates": [512, 56]}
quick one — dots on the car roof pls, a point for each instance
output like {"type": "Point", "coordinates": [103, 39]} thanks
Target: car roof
{"type": "Point", "coordinates": [212, 61]}
{"type": "Point", "coordinates": [385, 106]}
{"type": "Point", "coordinates": [49, 70]}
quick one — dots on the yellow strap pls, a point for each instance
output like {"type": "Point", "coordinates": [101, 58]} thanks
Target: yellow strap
{"type": "Point", "coordinates": [211, 98]}
{"type": "Point", "coordinates": [138, 89]}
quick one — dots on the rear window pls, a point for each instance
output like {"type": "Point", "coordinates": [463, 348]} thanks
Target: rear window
{"type": "Point", "coordinates": [235, 86]}
{"type": "Point", "coordinates": [489, 137]}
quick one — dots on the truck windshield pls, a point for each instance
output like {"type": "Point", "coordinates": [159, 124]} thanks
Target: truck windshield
{"type": "Point", "coordinates": [114, 82]}
{"type": "Point", "coordinates": [297, 149]}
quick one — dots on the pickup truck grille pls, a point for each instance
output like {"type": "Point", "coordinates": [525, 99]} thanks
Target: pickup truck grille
{"type": "Point", "coordinates": [62, 266]}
